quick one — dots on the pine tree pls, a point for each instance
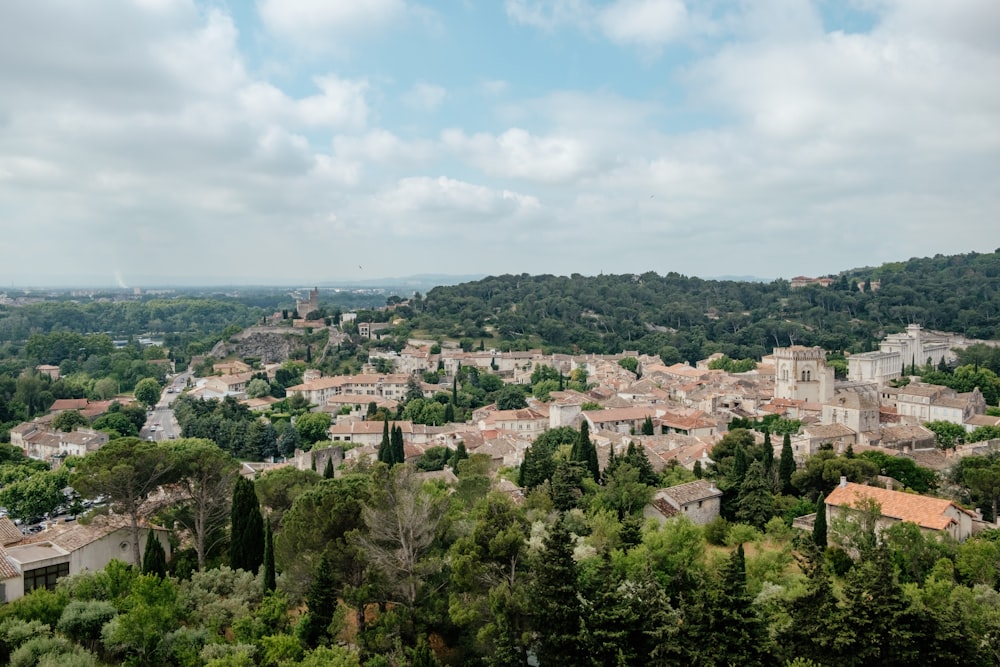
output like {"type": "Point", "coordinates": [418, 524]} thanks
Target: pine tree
{"type": "Point", "coordinates": [810, 635]}
{"type": "Point", "coordinates": [154, 558]}
{"type": "Point", "coordinates": [385, 447]}
{"type": "Point", "coordinates": [270, 577]}
{"type": "Point", "coordinates": [328, 470]}
{"type": "Point", "coordinates": [738, 635]}
{"type": "Point", "coordinates": [557, 604]}
{"type": "Point", "coordinates": [819, 527]}
{"type": "Point", "coordinates": [786, 465]}
{"type": "Point", "coordinates": [636, 456]}
{"type": "Point", "coordinates": [246, 540]}
{"type": "Point", "coordinates": [322, 604]}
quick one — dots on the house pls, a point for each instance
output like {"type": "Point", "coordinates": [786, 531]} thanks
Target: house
{"type": "Point", "coordinates": [231, 367]}
{"type": "Point", "coordinates": [920, 403]}
{"type": "Point", "coordinates": [66, 549]}
{"type": "Point", "coordinates": [932, 515]}
{"type": "Point", "coordinates": [699, 500]}
{"type": "Point", "coordinates": [525, 421]}
{"type": "Point", "coordinates": [48, 369]}
{"type": "Point", "coordinates": [225, 385]}
{"type": "Point", "coordinates": [40, 441]}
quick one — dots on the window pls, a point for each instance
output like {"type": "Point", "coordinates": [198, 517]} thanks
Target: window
{"type": "Point", "coordinates": [44, 577]}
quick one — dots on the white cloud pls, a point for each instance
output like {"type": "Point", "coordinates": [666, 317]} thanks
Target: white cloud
{"type": "Point", "coordinates": [425, 96]}
{"type": "Point", "coordinates": [644, 22]}
{"type": "Point", "coordinates": [518, 154]}
{"type": "Point", "coordinates": [324, 24]}
{"type": "Point", "coordinates": [648, 24]}
{"type": "Point", "coordinates": [549, 14]}
{"type": "Point", "coordinates": [422, 205]}
{"type": "Point", "coordinates": [380, 145]}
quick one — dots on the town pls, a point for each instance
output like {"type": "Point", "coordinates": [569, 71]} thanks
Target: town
{"type": "Point", "coordinates": [806, 462]}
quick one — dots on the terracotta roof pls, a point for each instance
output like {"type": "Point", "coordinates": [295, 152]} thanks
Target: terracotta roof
{"type": "Point", "coordinates": [68, 404]}
{"type": "Point", "coordinates": [7, 569]}
{"type": "Point", "coordinates": [700, 489]}
{"type": "Point", "coordinates": [664, 508]}
{"type": "Point", "coordinates": [9, 532]}
{"type": "Point", "coordinates": [924, 511]}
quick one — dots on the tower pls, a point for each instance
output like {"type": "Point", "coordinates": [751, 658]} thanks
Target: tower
{"type": "Point", "coordinates": [801, 373]}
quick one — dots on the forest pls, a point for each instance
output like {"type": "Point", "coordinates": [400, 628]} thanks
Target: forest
{"type": "Point", "coordinates": [686, 319]}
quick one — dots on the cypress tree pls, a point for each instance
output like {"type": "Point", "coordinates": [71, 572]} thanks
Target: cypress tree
{"type": "Point", "coordinates": [449, 413]}
{"type": "Point", "coordinates": [460, 454]}
{"type": "Point", "coordinates": [154, 558]}
{"type": "Point", "coordinates": [398, 453]}
{"type": "Point", "coordinates": [755, 501]}
{"type": "Point", "coordinates": [786, 466]}
{"type": "Point", "coordinates": [246, 540]}
{"type": "Point", "coordinates": [454, 390]}
{"type": "Point", "coordinates": [819, 527]}
{"type": "Point", "coordinates": [585, 452]}
{"type": "Point", "coordinates": [385, 447]}
{"type": "Point", "coordinates": [697, 470]}
{"type": "Point", "coordinates": [270, 577]}
{"type": "Point", "coordinates": [647, 426]}
{"type": "Point", "coordinates": [328, 470]}
{"type": "Point", "coordinates": [768, 460]}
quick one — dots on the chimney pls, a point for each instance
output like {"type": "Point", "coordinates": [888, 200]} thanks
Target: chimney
{"type": "Point", "coordinates": [843, 481]}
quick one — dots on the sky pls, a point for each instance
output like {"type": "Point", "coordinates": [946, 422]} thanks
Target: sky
{"type": "Point", "coordinates": [173, 142]}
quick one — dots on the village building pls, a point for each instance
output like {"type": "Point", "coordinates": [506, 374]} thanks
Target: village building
{"type": "Point", "coordinates": [700, 501]}
{"type": "Point", "coordinates": [932, 515]}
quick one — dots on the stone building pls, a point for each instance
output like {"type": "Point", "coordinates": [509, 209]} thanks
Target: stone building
{"type": "Point", "coordinates": [801, 374]}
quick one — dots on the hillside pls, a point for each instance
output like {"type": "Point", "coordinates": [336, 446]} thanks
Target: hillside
{"type": "Point", "coordinates": [680, 317]}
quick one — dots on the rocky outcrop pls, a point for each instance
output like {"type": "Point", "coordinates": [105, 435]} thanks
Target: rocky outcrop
{"type": "Point", "coordinates": [269, 344]}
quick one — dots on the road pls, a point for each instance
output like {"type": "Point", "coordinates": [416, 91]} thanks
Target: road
{"type": "Point", "coordinates": [161, 424]}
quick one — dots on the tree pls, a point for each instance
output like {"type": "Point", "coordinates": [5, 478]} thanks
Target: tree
{"type": "Point", "coordinates": [557, 609]}
{"type": "Point", "coordinates": [312, 427]}
{"type": "Point", "coordinates": [322, 605]}
{"type": "Point", "coordinates": [127, 471]}
{"type": "Point", "coordinates": [258, 387]}
{"type": "Point", "coordinates": [147, 392]}
{"type": "Point", "coordinates": [154, 559]}
{"type": "Point", "coordinates": [385, 447]}
{"type": "Point", "coordinates": [402, 522]}
{"type": "Point", "coordinates": [819, 527]}
{"type": "Point", "coordinates": [246, 541]}
{"type": "Point", "coordinates": [510, 397]}
{"type": "Point", "coordinates": [946, 434]}
{"type": "Point", "coordinates": [37, 493]}
{"type": "Point", "coordinates": [328, 470]}
{"type": "Point", "coordinates": [270, 581]}
{"type": "Point", "coordinates": [585, 453]}
{"type": "Point", "coordinates": [755, 501]}
{"type": "Point", "coordinates": [67, 420]}
{"type": "Point", "coordinates": [398, 452]}
{"type": "Point", "coordinates": [647, 426]}
{"type": "Point", "coordinates": [205, 479]}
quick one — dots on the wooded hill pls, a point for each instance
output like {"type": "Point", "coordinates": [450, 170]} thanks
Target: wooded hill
{"type": "Point", "coordinates": [686, 318]}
